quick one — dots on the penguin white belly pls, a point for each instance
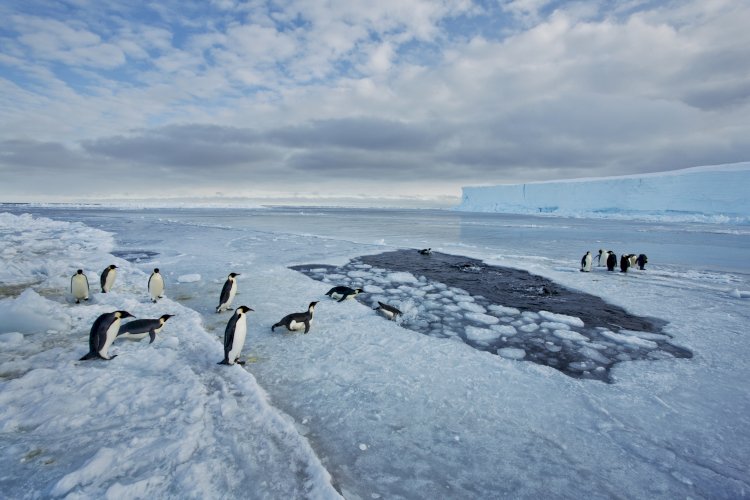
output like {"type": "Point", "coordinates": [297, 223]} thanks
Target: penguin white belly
{"type": "Point", "coordinates": [336, 295]}
{"type": "Point", "coordinates": [297, 325]}
{"type": "Point", "coordinates": [156, 287]}
{"type": "Point", "coordinates": [388, 314]}
{"type": "Point", "coordinates": [110, 280]}
{"type": "Point", "coordinates": [110, 337]}
{"type": "Point", "coordinates": [587, 263]}
{"type": "Point", "coordinates": [80, 287]}
{"type": "Point", "coordinates": [232, 292]}
{"type": "Point", "coordinates": [240, 331]}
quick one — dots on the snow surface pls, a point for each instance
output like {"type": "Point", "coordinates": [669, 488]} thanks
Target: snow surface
{"type": "Point", "coordinates": [718, 193]}
{"type": "Point", "coordinates": [359, 407]}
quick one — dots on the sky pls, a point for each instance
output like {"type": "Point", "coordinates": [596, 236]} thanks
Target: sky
{"type": "Point", "coordinates": [395, 99]}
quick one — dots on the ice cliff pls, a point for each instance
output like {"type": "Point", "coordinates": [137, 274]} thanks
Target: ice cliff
{"type": "Point", "coordinates": [715, 193]}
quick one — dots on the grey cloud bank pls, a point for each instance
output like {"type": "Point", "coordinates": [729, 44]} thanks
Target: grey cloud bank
{"type": "Point", "coordinates": [412, 99]}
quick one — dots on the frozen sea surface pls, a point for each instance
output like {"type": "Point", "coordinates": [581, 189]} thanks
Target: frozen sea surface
{"type": "Point", "coordinates": [362, 407]}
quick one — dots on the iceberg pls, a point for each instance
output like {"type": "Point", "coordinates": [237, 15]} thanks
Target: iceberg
{"type": "Point", "coordinates": [707, 194]}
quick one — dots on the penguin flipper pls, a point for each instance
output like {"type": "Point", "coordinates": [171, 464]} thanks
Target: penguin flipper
{"type": "Point", "coordinates": [152, 335]}
{"type": "Point", "coordinates": [343, 297]}
{"type": "Point", "coordinates": [307, 326]}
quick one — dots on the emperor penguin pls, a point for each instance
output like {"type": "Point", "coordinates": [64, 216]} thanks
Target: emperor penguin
{"type": "Point", "coordinates": [633, 258]}
{"type": "Point", "coordinates": [586, 263]}
{"type": "Point", "coordinates": [624, 263]}
{"type": "Point", "coordinates": [343, 292]}
{"type": "Point", "coordinates": [389, 312]}
{"type": "Point", "coordinates": [227, 293]}
{"type": "Point", "coordinates": [103, 333]}
{"type": "Point", "coordinates": [108, 278]}
{"type": "Point", "coordinates": [611, 260]}
{"type": "Point", "coordinates": [79, 286]}
{"type": "Point", "coordinates": [234, 336]}
{"type": "Point", "coordinates": [156, 285]}
{"type": "Point", "coordinates": [138, 329]}
{"type": "Point", "coordinates": [297, 321]}
{"type": "Point", "coordinates": [642, 260]}
{"type": "Point", "coordinates": [601, 258]}
{"type": "Point", "coordinates": [426, 251]}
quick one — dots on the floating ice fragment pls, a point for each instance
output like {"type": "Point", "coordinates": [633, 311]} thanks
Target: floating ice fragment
{"type": "Point", "coordinates": [471, 306]}
{"type": "Point", "coordinates": [531, 327]}
{"type": "Point", "coordinates": [482, 318]}
{"type": "Point", "coordinates": [362, 446]}
{"type": "Point", "coordinates": [629, 339]}
{"type": "Point", "coordinates": [562, 318]}
{"type": "Point", "coordinates": [504, 329]}
{"type": "Point", "coordinates": [481, 335]}
{"type": "Point", "coordinates": [569, 335]}
{"type": "Point", "coordinates": [511, 353]}
{"type": "Point", "coordinates": [503, 310]}
{"type": "Point", "coordinates": [401, 277]}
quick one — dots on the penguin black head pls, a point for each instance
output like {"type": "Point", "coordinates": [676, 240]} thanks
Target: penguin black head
{"type": "Point", "coordinates": [165, 317]}
{"type": "Point", "coordinates": [232, 275]}
{"type": "Point", "coordinates": [80, 271]}
{"type": "Point", "coordinates": [312, 305]}
{"type": "Point", "coordinates": [359, 290]}
{"type": "Point", "coordinates": [113, 266]}
{"type": "Point", "coordinates": [244, 309]}
{"type": "Point", "coordinates": [156, 270]}
{"type": "Point", "coordinates": [123, 314]}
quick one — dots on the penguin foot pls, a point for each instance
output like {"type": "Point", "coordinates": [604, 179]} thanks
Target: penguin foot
{"type": "Point", "coordinates": [223, 362]}
{"type": "Point", "coordinates": [78, 301]}
{"type": "Point", "coordinates": [238, 362]}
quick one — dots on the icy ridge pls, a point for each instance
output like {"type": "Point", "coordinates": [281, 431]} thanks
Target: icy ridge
{"type": "Point", "coordinates": [702, 194]}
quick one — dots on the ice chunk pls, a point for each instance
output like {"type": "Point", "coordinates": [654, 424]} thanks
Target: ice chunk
{"type": "Point", "coordinates": [562, 318]}
{"type": "Point", "coordinates": [503, 310]}
{"type": "Point", "coordinates": [504, 329]}
{"type": "Point", "coordinates": [373, 289]}
{"type": "Point", "coordinates": [401, 277]}
{"type": "Point", "coordinates": [482, 318]}
{"type": "Point", "coordinates": [481, 335]}
{"type": "Point", "coordinates": [629, 339]}
{"type": "Point", "coordinates": [471, 306]}
{"type": "Point", "coordinates": [531, 327]}
{"type": "Point", "coordinates": [552, 325]}
{"type": "Point", "coordinates": [594, 355]}
{"type": "Point", "coordinates": [569, 335]}
{"type": "Point", "coordinates": [511, 353]}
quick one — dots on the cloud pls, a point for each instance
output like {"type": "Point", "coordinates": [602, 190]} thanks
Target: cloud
{"type": "Point", "coordinates": [392, 92]}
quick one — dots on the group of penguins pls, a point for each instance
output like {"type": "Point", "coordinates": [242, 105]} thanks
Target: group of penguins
{"type": "Point", "coordinates": [609, 258]}
{"type": "Point", "coordinates": [108, 327]}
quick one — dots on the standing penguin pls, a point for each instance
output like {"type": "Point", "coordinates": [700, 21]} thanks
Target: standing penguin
{"type": "Point", "coordinates": [156, 285]}
{"type": "Point", "coordinates": [79, 286]}
{"type": "Point", "coordinates": [641, 261]}
{"type": "Point", "coordinates": [108, 278]}
{"type": "Point", "coordinates": [586, 262]}
{"type": "Point", "coordinates": [227, 293]}
{"type": "Point", "coordinates": [297, 321]}
{"type": "Point", "coordinates": [343, 292]}
{"type": "Point", "coordinates": [624, 263]}
{"type": "Point", "coordinates": [603, 254]}
{"type": "Point", "coordinates": [389, 312]}
{"type": "Point", "coordinates": [103, 333]}
{"type": "Point", "coordinates": [234, 336]}
{"type": "Point", "coordinates": [611, 260]}
{"type": "Point", "coordinates": [138, 329]}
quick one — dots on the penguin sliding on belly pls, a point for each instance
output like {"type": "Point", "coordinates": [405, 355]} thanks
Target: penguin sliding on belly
{"type": "Point", "coordinates": [79, 286]}
{"type": "Point", "coordinates": [297, 321]}
{"type": "Point", "coordinates": [586, 263]}
{"type": "Point", "coordinates": [234, 336]}
{"type": "Point", "coordinates": [156, 285]}
{"type": "Point", "coordinates": [425, 251]}
{"type": "Point", "coordinates": [389, 312]}
{"type": "Point", "coordinates": [343, 292]}
{"type": "Point", "coordinates": [227, 293]}
{"type": "Point", "coordinates": [108, 278]}
{"type": "Point", "coordinates": [138, 329]}
{"type": "Point", "coordinates": [103, 333]}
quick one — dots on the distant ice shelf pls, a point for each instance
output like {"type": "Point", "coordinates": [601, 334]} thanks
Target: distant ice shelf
{"type": "Point", "coordinates": [707, 194]}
